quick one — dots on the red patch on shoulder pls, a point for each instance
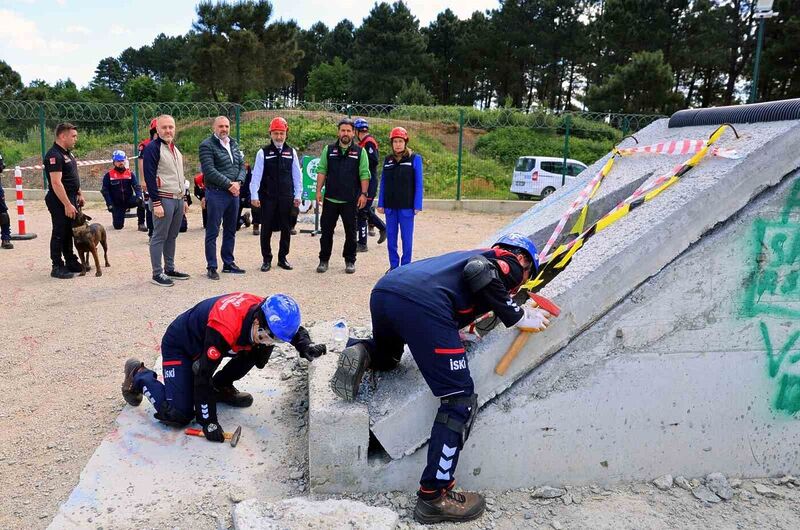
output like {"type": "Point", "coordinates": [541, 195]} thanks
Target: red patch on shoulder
{"type": "Point", "coordinates": [504, 268]}
{"type": "Point", "coordinates": [213, 353]}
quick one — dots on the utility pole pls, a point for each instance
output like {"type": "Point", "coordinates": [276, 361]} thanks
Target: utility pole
{"type": "Point", "coordinates": [763, 11]}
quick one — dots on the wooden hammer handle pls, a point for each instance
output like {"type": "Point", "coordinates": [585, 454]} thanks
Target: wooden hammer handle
{"type": "Point", "coordinates": [199, 432]}
{"type": "Point", "coordinates": [512, 352]}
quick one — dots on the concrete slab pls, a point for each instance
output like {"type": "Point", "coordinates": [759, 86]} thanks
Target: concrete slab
{"type": "Point", "coordinates": [299, 513]}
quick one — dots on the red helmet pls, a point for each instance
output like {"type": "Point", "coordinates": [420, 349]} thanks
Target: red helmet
{"type": "Point", "coordinates": [278, 124]}
{"type": "Point", "coordinates": [153, 123]}
{"type": "Point", "coordinates": [398, 132]}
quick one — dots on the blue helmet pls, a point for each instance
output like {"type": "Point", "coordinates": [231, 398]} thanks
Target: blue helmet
{"type": "Point", "coordinates": [517, 240]}
{"type": "Point", "coordinates": [118, 156]}
{"type": "Point", "coordinates": [361, 124]}
{"type": "Point", "coordinates": [282, 316]}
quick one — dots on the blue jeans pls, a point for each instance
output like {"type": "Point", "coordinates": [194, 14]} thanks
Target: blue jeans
{"type": "Point", "coordinates": [221, 207]}
{"type": "Point", "coordinates": [399, 221]}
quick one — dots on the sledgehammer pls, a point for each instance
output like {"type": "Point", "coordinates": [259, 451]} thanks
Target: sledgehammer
{"type": "Point", "coordinates": [233, 437]}
{"type": "Point", "coordinates": [522, 338]}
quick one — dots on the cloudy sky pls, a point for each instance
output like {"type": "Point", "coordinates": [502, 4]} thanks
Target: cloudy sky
{"type": "Point", "coordinates": [56, 39]}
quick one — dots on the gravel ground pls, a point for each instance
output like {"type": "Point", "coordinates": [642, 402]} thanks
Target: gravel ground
{"type": "Point", "coordinates": [65, 340]}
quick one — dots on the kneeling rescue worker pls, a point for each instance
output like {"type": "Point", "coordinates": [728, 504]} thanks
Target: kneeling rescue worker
{"type": "Point", "coordinates": [242, 326]}
{"type": "Point", "coordinates": [424, 304]}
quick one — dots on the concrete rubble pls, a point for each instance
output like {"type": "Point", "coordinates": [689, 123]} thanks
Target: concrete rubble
{"type": "Point", "coordinates": [300, 513]}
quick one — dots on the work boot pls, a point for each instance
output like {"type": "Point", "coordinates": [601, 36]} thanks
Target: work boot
{"type": "Point", "coordinates": [382, 237]}
{"type": "Point", "coordinates": [61, 272]}
{"type": "Point", "coordinates": [247, 220]}
{"type": "Point", "coordinates": [323, 266]}
{"type": "Point", "coordinates": [353, 362]}
{"type": "Point", "coordinates": [450, 506]}
{"type": "Point", "coordinates": [256, 230]}
{"type": "Point", "coordinates": [293, 231]}
{"type": "Point", "coordinates": [142, 228]}
{"type": "Point", "coordinates": [75, 266]}
{"type": "Point", "coordinates": [229, 395]}
{"type": "Point", "coordinates": [7, 244]}
{"type": "Point", "coordinates": [132, 367]}
{"type": "Point", "coordinates": [362, 247]}
{"type": "Point", "coordinates": [349, 267]}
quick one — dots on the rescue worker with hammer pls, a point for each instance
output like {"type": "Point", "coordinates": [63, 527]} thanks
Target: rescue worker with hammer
{"type": "Point", "coordinates": [424, 304]}
{"type": "Point", "coordinates": [242, 326]}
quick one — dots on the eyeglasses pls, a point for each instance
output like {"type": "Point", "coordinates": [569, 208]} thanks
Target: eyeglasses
{"type": "Point", "coordinates": [265, 336]}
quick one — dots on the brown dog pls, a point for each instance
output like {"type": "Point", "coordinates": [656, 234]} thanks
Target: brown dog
{"type": "Point", "coordinates": [87, 237]}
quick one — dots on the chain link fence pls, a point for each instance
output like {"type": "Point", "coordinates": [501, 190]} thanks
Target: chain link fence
{"type": "Point", "coordinates": [468, 153]}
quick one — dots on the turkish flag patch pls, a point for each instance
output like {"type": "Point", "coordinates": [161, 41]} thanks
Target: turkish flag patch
{"type": "Point", "coordinates": [52, 160]}
{"type": "Point", "coordinates": [213, 354]}
{"type": "Point", "coordinates": [504, 268]}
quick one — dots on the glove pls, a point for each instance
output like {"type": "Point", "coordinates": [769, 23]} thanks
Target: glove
{"type": "Point", "coordinates": [535, 319]}
{"type": "Point", "coordinates": [313, 351]}
{"type": "Point", "coordinates": [110, 208]}
{"type": "Point", "coordinates": [214, 432]}
{"type": "Point", "coordinates": [261, 356]}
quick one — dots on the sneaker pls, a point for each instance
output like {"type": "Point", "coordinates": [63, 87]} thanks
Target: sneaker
{"type": "Point", "coordinates": [256, 230]}
{"type": "Point", "coordinates": [322, 267]}
{"type": "Point", "coordinates": [142, 228]}
{"type": "Point", "coordinates": [247, 220]}
{"type": "Point", "coordinates": [266, 266]}
{"type": "Point", "coordinates": [232, 268]}
{"type": "Point", "coordinates": [349, 267]}
{"type": "Point", "coordinates": [353, 362]}
{"type": "Point", "coordinates": [132, 367]}
{"type": "Point", "coordinates": [362, 248]}
{"type": "Point", "coordinates": [212, 274]}
{"type": "Point", "coordinates": [231, 396]}
{"type": "Point", "coordinates": [175, 275]}
{"type": "Point", "coordinates": [7, 244]}
{"type": "Point", "coordinates": [285, 265]}
{"type": "Point", "coordinates": [382, 237]}
{"type": "Point", "coordinates": [75, 266]}
{"type": "Point", "coordinates": [61, 272]}
{"type": "Point", "coordinates": [162, 280]}
{"type": "Point", "coordinates": [450, 506]}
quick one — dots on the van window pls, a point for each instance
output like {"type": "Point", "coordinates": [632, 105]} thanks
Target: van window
{"type": "Point", "coordinates": [525, 164]}
{"type": "Point", "coordinates": [574, 169]}
{"type": "Point", "coordinates": [553, 167]}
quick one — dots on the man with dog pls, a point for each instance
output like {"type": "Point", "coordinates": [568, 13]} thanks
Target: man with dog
{"type": "Point", "coordinates": [163, 172]}
{"type": "Point", "coordinates": [63, 199]}
{"type": "Point", "coordinates": [222, 165]}
{"type": "Point", "coordinates": [241, 326]}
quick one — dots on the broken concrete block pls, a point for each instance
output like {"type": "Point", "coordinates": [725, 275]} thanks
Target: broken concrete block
{"type": "Point", "coordinates": [767, 492]}
{"type": "Point", "coordinates": [547, 492]}
{"type": "Point", "coordinates": [664, 482]}
{"type": "Point", "coordinates": [300, 513]}
{"type": "Point", "coordinates": [718, 483]}
{"type": "Point", "coordinates": [705, 495]}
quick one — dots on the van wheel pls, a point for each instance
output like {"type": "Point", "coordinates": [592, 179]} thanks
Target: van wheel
{"type": "Point", "coordinates": [547, 191]}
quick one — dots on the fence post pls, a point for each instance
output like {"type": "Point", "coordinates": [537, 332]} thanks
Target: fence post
{"type": "Point", "coordinates": [349, 111]}
{"type": "Point", "coordinates": [238, 124]}
{"type": "Point", "coordinates": [42, 125]}
{"type": "Point", "coordinates": [136, 141]}
{"type": "Point", "coordinates": [567, 122]}
{"type": "Point", "coordinates": [625, 126]}
{"type": "Point", "coordinates": [460, 152]}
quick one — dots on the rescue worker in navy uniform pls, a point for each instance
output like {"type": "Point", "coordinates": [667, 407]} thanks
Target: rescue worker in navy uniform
{"type": "Point", "coordinates": [366, 215]}
{"type": "Point", "coordinates": [120, 189]}
{"type": "Point", "coordinates": [242, 326]}
{"type": "Point", "coordinates": [276, 187]}
{"type": "Point", "coordinates": [5, 220]}
{"type": "Point", "coordinates": [144, 215]}
{"type": "Point", "coordinates": [63, 199]}
{"type": "Point", "coordinates": [424, 304]}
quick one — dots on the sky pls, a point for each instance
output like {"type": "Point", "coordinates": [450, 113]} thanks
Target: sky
{"type": "Point", "coordinates": [59, 39]}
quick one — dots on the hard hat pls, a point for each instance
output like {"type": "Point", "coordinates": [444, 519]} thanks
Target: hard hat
{"type": "Point", "coordinates": [282, 315]}
{"type": "Point", "coordinates": [361, 124]}
{"type": "Point", "coordinates": [278, 124]}
{"type": "Point", "coordinates": [118, 156]}
{"type": "Point", "coordinates": [516, 240]}
{"type": "Point", "coordinates": [153, 123]}
{"type": "Point", "coordinates": [398, 132]}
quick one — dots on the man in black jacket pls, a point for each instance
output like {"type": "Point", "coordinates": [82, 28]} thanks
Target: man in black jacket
{"type": "Point", "coordinates": [223, 173]}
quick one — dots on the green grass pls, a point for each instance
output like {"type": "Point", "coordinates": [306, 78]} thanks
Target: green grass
{"type": "Point", "coordinates": [507, 144]}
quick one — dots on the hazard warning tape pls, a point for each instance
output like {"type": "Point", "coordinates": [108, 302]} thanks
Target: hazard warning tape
{"type": "Point", "coordinates": [645, 193]}
{"type": "Point", "coordinates": [679, 147]}
{"type": "Point", "coordinates": [80, 163]}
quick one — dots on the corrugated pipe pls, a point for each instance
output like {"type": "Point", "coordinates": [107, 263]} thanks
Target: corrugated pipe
{"type": "Point", "coordinates": [787, 109]}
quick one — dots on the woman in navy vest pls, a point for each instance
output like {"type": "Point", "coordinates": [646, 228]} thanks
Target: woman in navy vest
{"type": "Point", "coordinates": [400, 195]}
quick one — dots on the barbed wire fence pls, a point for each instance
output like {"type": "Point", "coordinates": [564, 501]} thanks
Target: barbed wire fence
{"type": "Point", "coordinates": [469, 153]}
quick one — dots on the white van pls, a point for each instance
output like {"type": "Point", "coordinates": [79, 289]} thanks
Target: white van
{"type": "Point", "coordinates": [539, 176]}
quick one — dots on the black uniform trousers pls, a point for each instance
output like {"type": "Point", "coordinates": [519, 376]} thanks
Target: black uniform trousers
{"type": "Point", "coordinates": [61, 239]}
{"type": "Point", "coordinates": [275, 216]}
{"type": "Point", "coordinates": [331, 212]}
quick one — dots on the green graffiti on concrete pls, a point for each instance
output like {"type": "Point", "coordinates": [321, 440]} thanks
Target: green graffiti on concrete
{"type": "Point", "coordinates": [772, 289]}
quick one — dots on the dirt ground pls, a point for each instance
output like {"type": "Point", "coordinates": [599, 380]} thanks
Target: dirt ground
{"type": "Point", "coordinates": [64, 341]}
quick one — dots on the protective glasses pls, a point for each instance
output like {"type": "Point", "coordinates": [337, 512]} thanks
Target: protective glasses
{"type": "Point", "coordinates": [265, 336]}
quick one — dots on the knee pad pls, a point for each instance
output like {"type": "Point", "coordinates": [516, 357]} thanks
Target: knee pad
{"type": "Point", "coordinates": [5, 220]}
{"type": "Point", "coordinates": [451, 410]}
{"type": "Point", "coordinates": [169, 415]}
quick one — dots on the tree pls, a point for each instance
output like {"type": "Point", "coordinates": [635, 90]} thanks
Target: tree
{"type": "Point", "coordinates": [339, 42]}
{"type": "Point", "coordinates": [443, 44]}
{"type": "Point", "coordinates": [109, 74]}
{"type": "Point", "coordinates": [310, 43]}
{"type": "Point", "coordinates": [414, 93]}
{"type": "Point", "coordinates": [37, 90]}
{"type": "Point", "coordinates": [644, 85]}
{"type": "Point", "coordinates": [10, 82]}
{"type": "Point", "coordinates": [140, 89]}
{"type": "Point", "coordinates": [391, 50]}
{"type": "Point", "coordinates": [329, 82]}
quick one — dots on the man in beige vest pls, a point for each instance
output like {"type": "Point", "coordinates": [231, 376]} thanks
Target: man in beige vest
{"type": "Point", "coordinates": [163, 173]}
